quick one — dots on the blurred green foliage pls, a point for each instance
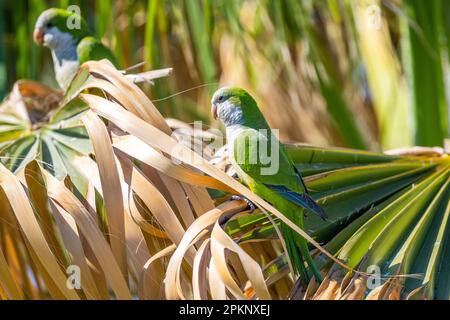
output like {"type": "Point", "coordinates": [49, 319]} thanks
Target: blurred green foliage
{"type": "Point", "coordinates": [367, 74]}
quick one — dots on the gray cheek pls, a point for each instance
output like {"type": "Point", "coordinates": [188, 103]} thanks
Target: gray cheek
{"type": "Point", "coordinates": [223, 112]}
{"type": "Point", "coordinates": [53, 37]}
{"type": "Point", "coordinates": [220, 112]}
{"type": "Point", "coordinates": [49, 40]}
{"type": "Point", "coordinates": [229, 114]}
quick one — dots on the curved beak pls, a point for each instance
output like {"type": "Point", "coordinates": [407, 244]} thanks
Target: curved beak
{"type": "Point", "coordinates": [214, 111]}
{"type": "Point", "coordinates": [38, 35]}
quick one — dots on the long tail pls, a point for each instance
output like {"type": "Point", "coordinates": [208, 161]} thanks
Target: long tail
{"type": "Point", "coordinates": [298, 251]}
{"type": "Point", "coordinates": [294, 254]}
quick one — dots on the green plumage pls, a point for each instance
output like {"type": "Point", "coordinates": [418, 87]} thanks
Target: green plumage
{"type": "Point", "coordinates": [67, 35]}
{"type": "Point", "coordinates": [251, 143]}
{"type": "Point", "coordinates": [90, 48]}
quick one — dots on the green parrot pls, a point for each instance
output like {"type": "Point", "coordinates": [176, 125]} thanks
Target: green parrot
{"type": "Point", "coordinates": [71, 44]}
{"type": "Point", "coordinates": [262, 163]}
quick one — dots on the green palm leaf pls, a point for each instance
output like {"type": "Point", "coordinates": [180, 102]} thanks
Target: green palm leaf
{"type": "Point", "coordinates": [385, 211]}
{"type": "Point", "coordinates": [33, 127]}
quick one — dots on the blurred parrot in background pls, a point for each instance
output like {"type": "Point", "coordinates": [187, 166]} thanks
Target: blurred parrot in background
{"type": "Point", "coordinates": [68, 37]}
{"type": "Point", "coordinates": [263, 164]}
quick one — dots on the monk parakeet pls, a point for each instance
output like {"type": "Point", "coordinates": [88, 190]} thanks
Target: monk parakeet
{"type": "Point", "coordinates": [262, 163]}
{"type": "Point", "coordinates": [71, 43]}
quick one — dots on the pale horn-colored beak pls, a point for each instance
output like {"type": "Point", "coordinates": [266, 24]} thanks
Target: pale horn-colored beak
{"type": "Point", "coordinates": [214, 111]}
{"type": "Point", "coordinates": [38, 35]}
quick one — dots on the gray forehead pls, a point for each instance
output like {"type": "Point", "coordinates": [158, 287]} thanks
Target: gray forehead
{"type": "Point", "coordinates": [44, 18]}
{"type": "Point", "coordinates": [219, 92]}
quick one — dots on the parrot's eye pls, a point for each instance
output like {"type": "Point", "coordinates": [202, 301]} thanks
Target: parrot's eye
{"type": "Point", "coordinates": [220, 99]}
{"type": "Point", "coordinates": [49, 25]}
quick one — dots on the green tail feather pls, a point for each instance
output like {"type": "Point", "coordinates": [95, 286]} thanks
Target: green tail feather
{"type": "Point", "coordinates": [304, 249]}
{"type": "Point", "coordinates": [298, 251]}
{"type": "Point", "coordinates": [294, 254]}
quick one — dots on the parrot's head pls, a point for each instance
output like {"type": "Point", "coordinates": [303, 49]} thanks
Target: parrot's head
{"type": "Point", "coordinates": [57, 26]}
{"type": "Point", "coordinates": [235, 106]}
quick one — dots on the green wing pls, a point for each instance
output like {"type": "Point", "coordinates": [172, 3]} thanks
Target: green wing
{"type": "Point", "coordinates": [269, 165]}
{"type": "Point", "coordinates": [282, 178]}
{"type": "Point", "coordinates": [92, 49]}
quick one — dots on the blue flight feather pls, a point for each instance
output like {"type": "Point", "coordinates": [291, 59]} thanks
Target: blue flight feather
{"type": "Point", "coordinates": [302, 199]}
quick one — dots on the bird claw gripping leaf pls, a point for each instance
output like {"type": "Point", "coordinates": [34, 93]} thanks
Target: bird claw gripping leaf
{"type": "Point", "coordinates": [250, 204]}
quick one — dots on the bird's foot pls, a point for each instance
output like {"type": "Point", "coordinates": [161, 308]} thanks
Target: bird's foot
{"type": "Point", "coordinates": [250, 204]}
